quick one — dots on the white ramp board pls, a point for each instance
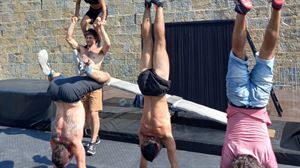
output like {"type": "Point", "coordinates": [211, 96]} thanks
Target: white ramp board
{"type": "Point", "coordinates": [123, 85]}
{"type": "Point", "coordinates": [203, 111]}
{"type": "Point", "coordinates": [177, 102]}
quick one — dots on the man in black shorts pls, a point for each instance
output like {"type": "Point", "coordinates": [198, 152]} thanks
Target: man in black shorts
{"type": "Point", "coordinates": [154, 83]}
{"type": "Point", "coordinates": [67, 128]}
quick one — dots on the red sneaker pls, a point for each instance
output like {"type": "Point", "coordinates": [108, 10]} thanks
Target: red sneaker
{"type": "Point", "coordinates": [243, 6]}
{"type": "Point", "coordinates": [277, 4]}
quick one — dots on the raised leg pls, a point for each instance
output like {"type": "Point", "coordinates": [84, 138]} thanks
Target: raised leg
{"type": "Point", "coordinates": [84, 23]}
{"type": "Point", "coordinates": [146, 58]}
{"type": "Point", "coordinates": [271, 36]}
{"type": "Point", "coordinates": [161, 63]}
{"type": "Point", "coordinates": [43, 62]}
{"type": "Point", "coordinates": [239, 36]}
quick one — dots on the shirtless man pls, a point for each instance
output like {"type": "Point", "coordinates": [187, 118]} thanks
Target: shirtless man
{"type": "Point", "coordinates": [247, 142]}
{"type": "Point", "coordinates": [154, 83]}
{"type": "Point", "coordinates": [66, 135]}
{"type": "Point", "coordinates": [67, 128]}
{"type": "Point", "coordinates": [91, 51]}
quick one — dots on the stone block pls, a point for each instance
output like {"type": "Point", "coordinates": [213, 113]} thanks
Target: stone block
{"type": "Point", "coordinates": [126, 8]}
{"type": "Point", "coordinates": [15, 57]}
{"type": "Point", "coordinates": [46, 5]}
{"type": "Point", "coordinates": [112, 10]}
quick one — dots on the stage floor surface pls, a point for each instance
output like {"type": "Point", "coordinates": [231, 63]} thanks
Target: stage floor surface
{"type": "Point", "coordinates": [25, 148]}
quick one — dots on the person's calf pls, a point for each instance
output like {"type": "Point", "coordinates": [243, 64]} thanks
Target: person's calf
{"type": "Point", "coordinates": [99, 76]}
{"type": "Point", "coordinates": [84, 26]}
{"type": "Point", "coordinates": [95, 126]}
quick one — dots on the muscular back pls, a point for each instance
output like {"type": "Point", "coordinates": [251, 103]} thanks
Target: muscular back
{"type": "Point", "coordinates": [69, 122]}
{"type": "Point", "coordinates": [156, 116]}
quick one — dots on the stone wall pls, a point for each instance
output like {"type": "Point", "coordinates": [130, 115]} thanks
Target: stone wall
{"type": "Point", "coordinates": [26, 26]}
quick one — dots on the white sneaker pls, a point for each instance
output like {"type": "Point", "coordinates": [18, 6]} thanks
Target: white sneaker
{"type": "Point", "coordinates": [43, 61]}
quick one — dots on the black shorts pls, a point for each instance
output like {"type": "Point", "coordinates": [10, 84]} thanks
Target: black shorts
{"type": "Point", "coordinates": [70, 90]}
{"type": "Point", "coordinates": [94, 13]}
{"type": "Point", "coordinates": [151, 84]}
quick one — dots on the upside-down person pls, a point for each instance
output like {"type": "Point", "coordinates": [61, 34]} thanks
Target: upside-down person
{"type": "Point", "coordinates": [247, 142]}
{"type": "Point", "coordinates": [154, 83]}
{"type": "Point", "coordinates": [67, 128]}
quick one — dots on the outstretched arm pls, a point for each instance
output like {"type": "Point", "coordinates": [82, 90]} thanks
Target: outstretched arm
{"type": "Point", "coordinates": [171, 150]}
{"type": "Point", "coordinates": [69, 38]}
{"type": "Point", "coordinates": [143, 161]}
{"type": "Point", "coordinates": [77, 8]}
{"type": "Point", "coordinates": [79, 153]}
{"type": "Point", "coordinates": [104, 37]}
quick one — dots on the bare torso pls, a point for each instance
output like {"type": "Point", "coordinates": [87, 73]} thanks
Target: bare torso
{"type": "Point", "coordinates": [93, 53]}
{"type": "Point", "coordinates": [156, 117]}
{"type": "Point", "coordinates": [69, 122]}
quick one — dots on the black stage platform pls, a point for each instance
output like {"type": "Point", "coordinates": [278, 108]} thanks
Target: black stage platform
{"type": "Point", "coordinates": [24, 104]}
{"type": "Point", "coordinates": [122, 123]}
{"type": "Point", "coordinates": [25, 148]}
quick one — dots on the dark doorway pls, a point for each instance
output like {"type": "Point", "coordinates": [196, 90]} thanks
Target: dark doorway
{"type": "Point", "coordinates": [198, 54]}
